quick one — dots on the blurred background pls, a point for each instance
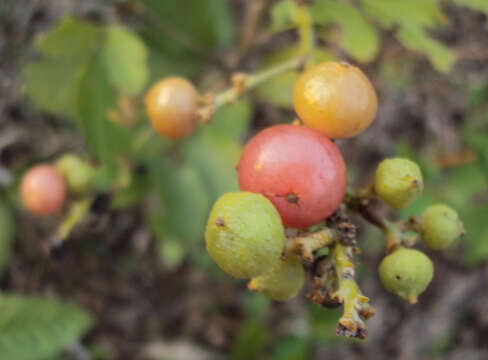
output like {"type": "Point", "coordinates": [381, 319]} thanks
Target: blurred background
{"type": "Point", "coordinates": [133, 280]}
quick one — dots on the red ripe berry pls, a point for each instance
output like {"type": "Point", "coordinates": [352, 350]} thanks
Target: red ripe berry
{"type": "Point", "coordinates": [43, 190]}
{"type": "Point", "coordinates": [298, 169]}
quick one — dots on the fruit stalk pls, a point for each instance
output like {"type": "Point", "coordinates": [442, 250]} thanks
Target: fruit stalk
{"type": "Point", "coordinates": [76, 214]}
{"type": "Point", "coordinates": [356, 305]}
{"type": "Point", "coordinates": [306, 243]}
{"type": "Point", "coordinates": [242, 83]}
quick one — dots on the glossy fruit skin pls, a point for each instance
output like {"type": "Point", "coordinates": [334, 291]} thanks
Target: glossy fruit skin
{"type": "Point", "coordinates": [78, 173]}
{"type": "Point", "coordinates": [171, 105]}
{"type": "Point", "coordinates": [398, 182]}
{"type": "Point", "coordinates": [298, 169]}
{"type": "Point", "coordinates": [407, 273]}
{"type": "Point", "coordinates": [43, 190]}
{"type": "Point", "coordinates": [336, 99]}
{"type": "Point", "coordinates": [282, 282]}
{"type": "Point", "coordinates": [441, 226]}
{"type": "Point", "coordinates": [244, 234]}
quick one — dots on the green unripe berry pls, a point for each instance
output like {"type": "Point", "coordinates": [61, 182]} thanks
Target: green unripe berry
{"type": "Point", "coordinates": [407, 273]}
{"type": "Point", "coordinates": [282, 282]}
{"type": "Point", "coordinates": [398, 182]}
{"type": "Point", "coordinates": [78, 173]}
{"type": "Point", "coordinates": [441, 226]}
{"type": "Point", "coordinates": [244, 235]}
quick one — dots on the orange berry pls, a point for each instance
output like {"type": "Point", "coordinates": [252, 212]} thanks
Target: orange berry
{"type": "Point", "coordinates": [171, 105]}
{"type": "Point", "coordinates": [336, 99]}
{"type": "Point", "coordinates": [43, 190]}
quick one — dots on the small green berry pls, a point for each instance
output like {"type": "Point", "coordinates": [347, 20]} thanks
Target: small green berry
{"type": "Point", "coordinates": [244, 235]}
{"type": "Point", "coordinates": [441, 226]}
{"type": "Point", "coordinates": [282, 282]}
{"type": "Point", "coordinates": [407, 273]}
{"type": "Point", "coordinates": [78, 173]}
{"type": "Point", "coordinates": [398, 182]}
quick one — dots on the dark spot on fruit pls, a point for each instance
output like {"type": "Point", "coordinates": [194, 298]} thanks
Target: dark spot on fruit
{"type": "Point", "coordinates": [292, 198]}
{"type": "Point", "coordinates": [220, 221]}
{"type": "Point", "coordinates": [398, 277]}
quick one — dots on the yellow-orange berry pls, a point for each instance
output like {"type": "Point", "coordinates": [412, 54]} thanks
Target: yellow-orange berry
{"type": "Point", "coordinates": [171, 105]}
{"type": "Point", "coordinates": [335, 98]}
{"type": "Point", "coordinates": [43, 190]}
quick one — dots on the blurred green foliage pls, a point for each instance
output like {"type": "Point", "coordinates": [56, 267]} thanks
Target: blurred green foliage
{"type": "Point", "coordinates": [32, 328]}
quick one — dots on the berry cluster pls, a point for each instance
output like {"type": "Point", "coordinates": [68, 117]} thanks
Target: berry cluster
{"type": "Point", "coordinates": [292, 203]}
{"type": "Point", "coordinates": [293, 199]}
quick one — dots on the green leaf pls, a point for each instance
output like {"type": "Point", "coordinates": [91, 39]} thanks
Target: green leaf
{"type": "Point", "coordinates": [198, 24]}
{"type": "Point", "coordinates": [106, 140]}
{"type": "Point", "coordinates": [412, 13]}
{"type": "Point", "coordinates": [283, 16]}
{"type": "Point", "coordinates": [53, 84]}
{"type": "Point", "coordinates": [7, 229]}
{"type": "Point", "coordinates": [181, 210]}
{"type": "Point", "coordinates": [231, 121]}
{"type": "Point", "coordinates": [413, 17]}
{"type": "Point", "coordinates": [124, 56]}
{"type": "Point", "coordinates": [358, 37]}
{"type": "Point", "coordinates": [439, 55]}
{"type": "Point", "coordinates": [279, 90]}
{"type": "Point", "coordinates": [33, 328]}
{"type": "Point", "coordinates": [480, 5]}
{"type": "Point", "coordinates": [70, 38]}
{"type": "Point", "coordinates": [215, 161]}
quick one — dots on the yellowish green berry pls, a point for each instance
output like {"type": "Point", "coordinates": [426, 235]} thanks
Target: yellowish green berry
{"type": "Point", "coordinates": [244, 235]}
{"type": "Point", "coordinates": [441, 226]}
{"type": "Point", "coordinates": [78, 173]}
{"type": "Point", "coordinates": [407, 273]}
{"type": "Point", "coordinates": [398, 182]}
{"type": "Point", "coordinates": [282, 282]}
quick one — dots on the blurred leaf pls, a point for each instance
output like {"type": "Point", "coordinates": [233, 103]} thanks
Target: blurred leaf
{"type": "Point", "coordinates": [282, 16]}
{"type": "Point", "coordinates": [358, 37]}
{"type": "Point", "coordinates": [231, 121]}
{"type": "Point", "coordinates": [162, 64]}
{"type": "Point", "coordinates": [106, 140]}
{"type": "Point", "coordinates": [412, 13]}
{"type": "Point", "coordinates": [124, 56]}
{"type": "Point", "coordinates": [7, 229]}
{"type": "Point", "coordinates": [207, 25]}
{"type": "Point", "coordinates": [183, 201]}
{"type": "Point", "coordinates": [413, 18]}
{"type": "Point", "coordinates": [33, 328]}
{"type": "Point", "coordinates": [279, 90]}
{"type": "Point", "coordinates": [53, 84]}
{"type": "Point", "coordinates": [215, 161]}
{"type": "Point", "coordinates": [70, 38]}
{"type": "Point", "coordinates": [439, 55]}
{"type": "Point", "coordinates": [291, 348]}
{"type": "Point", "coordinates": [480, 5]}
{"type": "Point", "coordinates": [251, 341]}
